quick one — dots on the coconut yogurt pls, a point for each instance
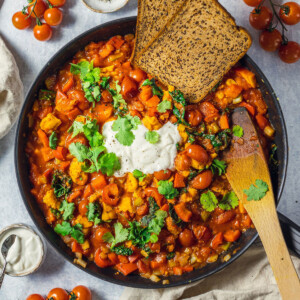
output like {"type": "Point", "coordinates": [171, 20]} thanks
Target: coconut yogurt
{"type": "Point", "coordinates": [26, 254]}
{"type": "Point", "coordinates": [142, 155]}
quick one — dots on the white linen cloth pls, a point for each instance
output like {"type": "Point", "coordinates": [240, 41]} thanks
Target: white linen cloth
{"type": "Point", "coordinates": [11, 90]}
{"type": "Point", "coordinates": [248, 278]}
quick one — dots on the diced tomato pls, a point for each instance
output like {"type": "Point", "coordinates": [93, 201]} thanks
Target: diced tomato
{"type": "Point", "coordinates": [261, 121]}
{"type": "Point", "coordinates": [126, 269]}
{"type": "Point", "coordinates": [68, 85]}
{"type": "Point", "coordinates": [113, 257]}
{"type": "Point", "coordinates": [225, 217]}
{"type": "Point", "coordinates": [76, 247]}
{"type": "Point", "coordinates": [143, 268]}
{"type": "Point", "coordinates": [177, 271]}
{"type": "Point", "coordinates": [179, 181]}
{"type": "Point", "coordinates": [134, 257]}
{"type": "Point", "coordinates": [60, 153]}
{"type": "Point", "coordinates": [47, 153]}
{"type": "Point", "coordinates": [123, 259]}
{"type": "Point", "coordinates": [217, 240]}
{"type": "Point", "coordinates": [103, 112]}
{"type": "Point", "coordinates": [232, 235]}
{"type": "Point", "coordinates": [43, 138]}
{"type": "Point", "coordinates": [183, 213]}
{"type": "Point", "coordinates": [116, 41]}
{"type": "Point", "coordinates": [249, 107]}
{"type": "Point", "coordinates": [64, 165]}
{"type": "Point", "coordinates": [98, 182]}
{"type": "Point", "coordinates": [209, 111]}
{"type": "Point", "coordinates": [153, 192]}
{"type": "Point", "coordinates": [72, 114]}
{"type": "Point", "coordinates": [224, 122]}
{"type": "Point", "coordinates": [165, 207]}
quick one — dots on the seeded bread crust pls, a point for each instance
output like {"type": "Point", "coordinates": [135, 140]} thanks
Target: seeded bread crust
{"type": "Point", "coordinates": [153, 15]}
{"type": "Point", "coordinates": [195, 49]}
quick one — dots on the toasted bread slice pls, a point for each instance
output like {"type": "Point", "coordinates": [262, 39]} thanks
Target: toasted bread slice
{"type": "Point", "coordinates": [153, 15]}
{"type": "Point", "coordinates": [195, 49]}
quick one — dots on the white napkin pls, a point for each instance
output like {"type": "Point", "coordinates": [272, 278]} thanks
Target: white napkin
{"type": "Point", "coordinates": [248, 278]}
{"type": "Point", "coordinates": [11, 90]}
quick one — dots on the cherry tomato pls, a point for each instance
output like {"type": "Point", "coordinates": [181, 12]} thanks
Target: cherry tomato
{"type": "Point", "coordinates": [111, 194]}
{"type": "Point", "coordinates": [270, 40]}
{"type": "Point", "coordinates": [193, 115]}
{"type": "Point", "coordinates": [42, 32]}
{"type": "Point", "coordinates": [35, 297]}
{"type": "Point", "coordinates": [58, 294]}
{"type": "Point", "coordinates": [138, 75]}
{"type": "Point", "coordinates": [186, 238]}
{"type": "Point", "coordinates": [82, 207]}
{"type": "Point", "coordinates": [99, 234]}
{"type": "Point", "coordinates": [182, 162]}
{"type": "Point", "coordinates": [197, 153]}
{"type": "Point", "coordinates": [129, 87]}
{"type": "Point", "coordinates": [290, 13]}
{"type": "Point", "coordinates": [102, 260]}
{"type": "Point", "coordinates": [253, 2]}
{"type": "Point", "coordinates": [203, 180]}
{"type": "Point", "coordinates": [58, 3]}
{"type": "Point", "coordinates": [53, 16]}
{"type": "Point", "coordinates": [39, 8]}
{"type": "Point", "coordinates": [289, 53]}
{"type": "Point", "coordinates": [82, 293]}
{"type": "Point", "coordinates": [163, 174]}
{"type": "Point", "coordinates": [260, 18]}
{"type": "Point", "coordinates": [20, 20]}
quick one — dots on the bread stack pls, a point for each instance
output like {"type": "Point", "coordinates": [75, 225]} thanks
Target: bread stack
{"type": "Point", "coordinates": [189, 44]}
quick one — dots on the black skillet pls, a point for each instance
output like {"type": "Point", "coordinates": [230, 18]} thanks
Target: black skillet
{"type": "Point", "coordinates": [104, 32]}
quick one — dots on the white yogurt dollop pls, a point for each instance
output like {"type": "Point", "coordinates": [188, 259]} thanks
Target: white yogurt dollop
{"type": "Point", "coordinates": [25, 255]}
{"type": "Point", "coordinates": [141, 154]}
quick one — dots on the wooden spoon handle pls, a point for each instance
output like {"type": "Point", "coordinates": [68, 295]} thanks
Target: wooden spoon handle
{"type": "Point", "coordinates": [267, 224]}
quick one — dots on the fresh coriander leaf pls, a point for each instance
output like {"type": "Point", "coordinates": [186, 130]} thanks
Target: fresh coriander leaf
{"type": "Point", "coordinates": [257, 192]}
{"type": "Point", "coordinates": [117, 97]}
{"type": "Point", "coordinates": [153, 207]}
{"type": "Point", "coordinates": [163, 106]}
{"type": "Point", "coordinates": [93, 213]}
{"type": "Point", "coordinates": [229, 201]}
{"type": "Point", "coordinates": [61, 183]}
{"type": "Point", "coordinates": [157, 223]}
{"type": "Point", "coordinates": [109, 163]}
{"type": "Point", "coordinates": [67, 209]}
{"type": "Point", "coordinates": [209, 201]}
{"type": "Point", "coordinates": [138, 235]}
{"type": "Point", "coordinates": [156, 90]}
{"type": "Point", "coordinates": [237, 131]}
{"type": "Point", "coordinates": [152, 137]}
{"type": "Point", "coordinates": [179, 98]}
{"type": "Point", "coordinates": [81, 68]}
{"type": "Point", "coordinates": [53, 140]}
{"type": "Point", "coordinates": [218, 167]}
{"type": "Point", "coordinates": [139, 175]}
{"type": "Point", "coordinates": [153, 238]}
{"type": "Point", "coordinates": [124, 127]}
{"type": "Point", "coordinates": [167, 189]}
{"type": "Point", "coordinates": [134, 121]}
{"type": "Point", "coordinates": [105, 83]}
{"type": "Point", "coordinates": [121, 235]}
{"type": "Point", "coordinates": [55, 212]}
{"type": "Point", "coordinates": [174, 215]}
{"type": "Point", "coordinates": [76, 128]}
{"type": "Point", "coordinates": [80, 151]}
{"type": "Point", "coordinates": [122, 250]}
{"type": "Point", "coordinates": [220, 141]}
{"type": "Point", "coordinates": [64, 228]}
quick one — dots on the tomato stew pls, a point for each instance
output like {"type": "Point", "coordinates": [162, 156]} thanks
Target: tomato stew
{"type": "Point", "coordinates": [166, 223]}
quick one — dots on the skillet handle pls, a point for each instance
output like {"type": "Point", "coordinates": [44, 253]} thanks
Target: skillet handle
{"type": "Point", "coordinates": [3, 273]}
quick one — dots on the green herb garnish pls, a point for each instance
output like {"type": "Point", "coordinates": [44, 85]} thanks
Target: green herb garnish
{"type": "Point", "coordinates": [156, 90]}
{"type": "Point", "coordinates": [163, 106]}
{"type": "Point", "coordinates": [66, 229]}
{"type": "Point", "coordinates": [179, 98]}
{"type": "Point", "coordinates": [218, 167]}
{"type": "Point", "coordinates": [152, 137]}
{"type": "Point", "coordinates": [121, 235]}
{"type": "Point", "coordinates": [167, 189]}
{"type": "Point", "coordinates": [209, 201]}
{"type": "Point", "coordinates": [237, 131]}
{"type": "Point", "coordinates": [229, 201]}
{"type": "Point", "coordinates": [67, 209]}
{"type": "Point", "coordinates": [139, 175]}
{"type": "Point", "coordinates": [53, 140]}
{"type": "Point", "coordinates": [93, 213]}
{"type": "Point", "coordinates": [122, 250]}
{"type": "Point", "coordinates": [257, 192]}
{"type": "Point", "coordinates": [61, 183]}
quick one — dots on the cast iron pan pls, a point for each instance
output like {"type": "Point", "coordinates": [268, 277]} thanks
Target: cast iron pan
{"type": "Point", "coordinates": [104, 32]}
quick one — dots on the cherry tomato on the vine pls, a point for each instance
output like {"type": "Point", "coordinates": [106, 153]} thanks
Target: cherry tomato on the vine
{"type": "Point", "coordinates": [42, 32]}
{"type": "Point", "coordinates": [58, 294]}
{"type": "Point", "coordinates": [289, 53]}
{"type": "Point", "coordinates": [35, 297]}
{"type": "Point", "coordinates": [53, 16]}
{"type": "Point", "coordinates": [81, 292]}
{"type": "Point", "coordinates": [290, 13]}
{"type": "Point", "coordinates": [260, 18]}
{"type": "Point", "coordinates": [39, 8]}
{"type": "Point", "coordinates": [253, 3]}
{"type": "Point", "coordinates": [20, 20]}
{"type": "Point", "coordinates": [270, 40]}
{"type": "Point", "coordinates": [58, 3]}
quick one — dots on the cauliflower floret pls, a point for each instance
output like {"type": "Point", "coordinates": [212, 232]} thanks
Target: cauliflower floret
{"type": "Point", "coordinates": [108, 213]}
{"type": "Point", "coordinates": [50, 122]}
{"type": "Point", "coordinates": [50, 200]}
{"type": "Point", "coordinates": [76, 173]}
{"type": "Point", "coordinates": [151, 123]}
{"type": "Point", "coordinates": [131, 183]}
{"type": "Point", "coordinates": [125, 204]}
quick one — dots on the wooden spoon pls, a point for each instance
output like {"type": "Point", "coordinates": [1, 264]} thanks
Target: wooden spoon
{"type": "Point", "coordinates": [246, 163]}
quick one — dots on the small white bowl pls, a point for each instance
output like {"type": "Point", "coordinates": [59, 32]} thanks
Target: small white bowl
{"type": "Point", "coordinates": [100, 8]}
{"type": "Point", "coordinates": [43, 245]}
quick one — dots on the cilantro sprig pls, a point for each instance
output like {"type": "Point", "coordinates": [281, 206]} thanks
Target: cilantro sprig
{"type": "Point", "coordinates": [61, 183]}
{"type": "Point", "coordinates": [124, 126]}
{"type": "Point", "coordinates": [90, 77]}
{"type": "Point", "coordinates": [53, 140]}
{"type": "Point", "coordinates": [167, 189]}
{"type": "Point", "coordinates": [163, 106]}
{"type": "Point", "coordinates": [139, 175]}
{"type": "Point", "coordinates": [229, 201]}
{"type": "Point", "coordinates": [218, 167]}
{"type": "Point", "coordinates": [93, 213]}
{"type": "Point", "coordinates": [121, 235]}
{"type": "Point", "coordinates": [257, 192]}
{"type": "Point", "coordinates": [237, 131]}
{"type": "Point", "coordinates": [156, 90]}
{"type": "Point", "coordinates": [179, 98]}
{"type": "Point", "coordinates": [152, 137]}
{"type": "Point", "coordinates": [209, 201]}
{"type": "Point", "coordinates": [67, 209]}
{"type": "Point", "coordinates": [66, 229]}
